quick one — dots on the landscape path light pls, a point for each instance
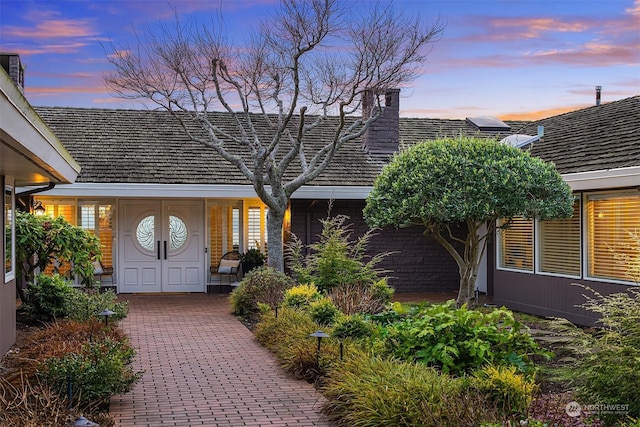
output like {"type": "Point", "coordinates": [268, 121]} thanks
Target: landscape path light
{"type": "Point", "coordinates": [106, 313]}
{"type": "Point", "coordinates": [319, 335]}
{"type": "Point", "coordinates": [83, 422]}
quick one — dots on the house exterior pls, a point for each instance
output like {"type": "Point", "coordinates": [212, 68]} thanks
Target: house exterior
{"type": "Point", "coordinates": [166, 208]}
{"type": "Point", "coordinates": [536, 264]}
{"type": "Point", "coordinates": [30, 155]}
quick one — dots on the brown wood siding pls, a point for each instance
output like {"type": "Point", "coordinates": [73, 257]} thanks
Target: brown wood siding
{"type": "Point", "coordinates": [548, 295]}
{"type": "Point", "coordinates": [418, 264]}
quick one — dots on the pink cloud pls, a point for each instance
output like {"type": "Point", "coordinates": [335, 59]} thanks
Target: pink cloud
{"type": "Point", "coordinates": [63, 75]}
{"type": "Point", "coordinates": [530, 28]}
{"type": "Point", "coordinates": [47, 26]}
{"type": "Point", "coordinates": [48, 49]}
{"type": "Point", "coordinates": [592, 53]}
{"type": "Point", "coordinates": [50, 91]}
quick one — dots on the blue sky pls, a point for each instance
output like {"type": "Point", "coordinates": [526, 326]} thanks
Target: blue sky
{"type": "Point", "coordinates": [507, 58]}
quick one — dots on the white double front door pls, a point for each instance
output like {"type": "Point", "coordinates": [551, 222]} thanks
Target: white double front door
{"type": "Point", "coordinates": [161, 246]}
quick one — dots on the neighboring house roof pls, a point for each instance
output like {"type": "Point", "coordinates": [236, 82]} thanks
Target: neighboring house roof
{"type": "Point", "coordinates": [142, 146]}
{"type": "Point", "coordinates": [592, 139]}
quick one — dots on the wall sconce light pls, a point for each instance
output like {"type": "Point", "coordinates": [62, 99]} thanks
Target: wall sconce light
{"type": "Point", "coordinates": [38, 208]}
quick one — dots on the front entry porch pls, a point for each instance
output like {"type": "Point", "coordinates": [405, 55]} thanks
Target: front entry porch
{"type": "Point", "coordinates": [156, 245]}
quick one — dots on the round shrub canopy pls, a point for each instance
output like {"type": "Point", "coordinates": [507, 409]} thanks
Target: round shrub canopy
{"type": "Point", "coordinates": [460, 179]}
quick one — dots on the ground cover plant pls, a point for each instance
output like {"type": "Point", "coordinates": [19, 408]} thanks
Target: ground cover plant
{"type": "Point", "coordinates": [438, 365]}
{"type": "Point", "coordinates": [53, 297]}
{"type": "Point", "coordinates": [70, 362]}
{"type": "Point", "coordinates": [96, 358]}
{"type": "Point", "coordinates": [461, 340]}
{"type": "Point", "coordinates": [610, 372]}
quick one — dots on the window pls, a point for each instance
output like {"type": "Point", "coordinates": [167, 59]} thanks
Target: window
{"type": "Point", "coordinates": [613, 220]}
{"type": "Point", "coordinates": [560, 245]}
{"type": "Point", "coordinates": [9, 235]}
{"type": "Point", "coordinates": [256, 226]}
{"type": "Point", "coordinates": [515, 245]}
{"type": "Point", "coordinates": [224, 229]}
{"type": "Point", "coordinates": [96, 218]}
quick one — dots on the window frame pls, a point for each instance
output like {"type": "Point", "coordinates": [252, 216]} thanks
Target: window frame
{"type": "Point", "coordinates": [499, 250]}
{"type": "Point", "coordinates": [9, 193]}
{"type": "Point", "coordinates": [601, 195]}
{"type": "Point", "coordinates": [538, 245]}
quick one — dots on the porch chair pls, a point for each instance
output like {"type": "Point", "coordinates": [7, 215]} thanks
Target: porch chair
{"type": "Point", "coordinates": [100, 270]}
{"type": "Point", "coordinates": [228, 266]}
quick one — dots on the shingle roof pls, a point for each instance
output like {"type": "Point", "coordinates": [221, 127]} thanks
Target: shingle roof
{"type": "Point", "coordinates": [142, 146]}
{"type": "Point", "coordinates": [595, 138]}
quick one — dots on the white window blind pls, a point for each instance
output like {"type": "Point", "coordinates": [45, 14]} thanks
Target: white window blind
{"type": "Point", "coordinates": [611, 222]}
{"type": "Point", "coordinates": [516, 245]}
{"type": "Point", "coordinates": [560, 244]}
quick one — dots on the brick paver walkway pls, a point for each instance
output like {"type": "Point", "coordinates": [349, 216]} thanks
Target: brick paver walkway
{"type": "Point", "coordinates": [203, 368]}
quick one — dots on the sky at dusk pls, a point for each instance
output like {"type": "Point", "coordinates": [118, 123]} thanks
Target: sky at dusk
{"type": "Point", "coordinates": [508, 58]}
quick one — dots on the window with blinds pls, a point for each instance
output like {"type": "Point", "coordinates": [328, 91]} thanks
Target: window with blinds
{"type": "Point", "coordinates": [257, 227]}
{"type": "Point", "coordinates": [560, 244]}
{"type": "Point", "coordinates": [612, 221]}
{"type": "Point", "coordinates": [224, 227]}
{"type": "Point", "coordinates": [516, 245]}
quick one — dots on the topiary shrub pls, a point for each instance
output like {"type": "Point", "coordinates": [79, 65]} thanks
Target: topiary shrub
{"type": "Point", "coordinates": [47, 297]}
{"type": "Point", "coordinates": [323, 311]}
{"type": "Point", "coordinates": [300, 296]}
{"type": "Point", "coordinates": [262, 285]}
{"type": "Point", "coordinates": [508, 389]}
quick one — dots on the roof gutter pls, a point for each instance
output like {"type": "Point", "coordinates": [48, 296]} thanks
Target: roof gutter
{"type": "Point", "coordinates": [24, 197]}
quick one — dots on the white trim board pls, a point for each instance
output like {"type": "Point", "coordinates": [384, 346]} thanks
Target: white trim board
{"type": "Point", "coordinates": [228, 191]}
{"type": "Point", "coordinates": [603, 179]}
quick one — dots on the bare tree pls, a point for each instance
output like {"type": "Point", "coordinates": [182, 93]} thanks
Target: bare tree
{"type": "Point", "coordinates": [309, 61]}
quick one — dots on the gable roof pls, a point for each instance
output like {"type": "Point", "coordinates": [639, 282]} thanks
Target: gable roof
{"type": "Point", "coordinates": [142, 146]}
{"type": "Point", "coordinates": [595, 138]}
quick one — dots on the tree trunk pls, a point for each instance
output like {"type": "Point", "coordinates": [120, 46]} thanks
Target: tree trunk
{"type": "Point", "coordinates": [275, 220]}
{"type": "Point", "coordinates": [474, 249]}
{"type": "Point", "coordinates": [468, 260]}
{"type": "Point", "coordinates": [466, 293]}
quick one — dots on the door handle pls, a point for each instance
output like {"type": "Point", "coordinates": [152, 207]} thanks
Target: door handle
{"type": "Point", "coordinates": [158, 249]}
{"type": "Point", "coordinates": [165, 249]}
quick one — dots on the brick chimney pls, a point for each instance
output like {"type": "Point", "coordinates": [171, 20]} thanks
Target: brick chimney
{"type": "Point", "coordinates": [383, 136]}
{"type": "Point", "coordinates": [12, 65]}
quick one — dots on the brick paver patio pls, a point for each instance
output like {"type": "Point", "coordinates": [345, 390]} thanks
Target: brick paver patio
{"type": "Point", "coordinates": [203, 368]}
